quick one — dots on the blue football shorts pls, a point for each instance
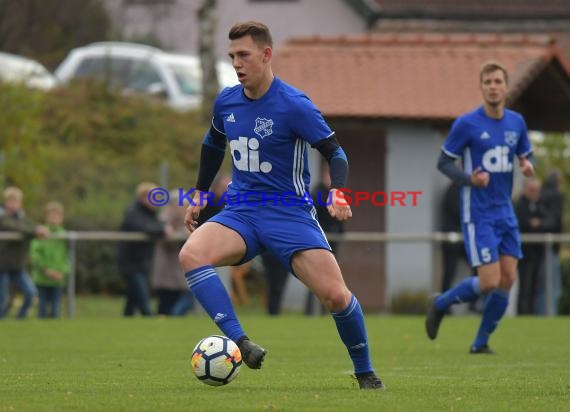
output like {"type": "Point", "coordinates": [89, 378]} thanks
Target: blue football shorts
{"type": "Point", "coordinates": [485, 241]}
{"type": "Point", "coordinates": [283, 230]}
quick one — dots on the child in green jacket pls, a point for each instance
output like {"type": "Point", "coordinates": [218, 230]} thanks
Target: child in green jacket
{"type": "Point", "coordinates": [50, 264]}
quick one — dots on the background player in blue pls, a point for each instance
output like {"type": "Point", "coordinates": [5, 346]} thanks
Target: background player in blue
{"type": "Point", "coordinates": [268, 125]}
{"type": "Point", "coordinates": [488, 140]}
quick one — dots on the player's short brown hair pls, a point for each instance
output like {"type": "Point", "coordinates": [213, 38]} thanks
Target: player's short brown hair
{"type": "Point", "coordinates": [491, 67]}
{"type": "Point", "coordinates": [259, 32]}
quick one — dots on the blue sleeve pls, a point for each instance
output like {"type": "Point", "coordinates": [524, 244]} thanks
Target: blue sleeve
{"type": "Point", "coordinates": [338, 163]}
{"type": "Point", "coordinates": [446, 165]}
{"type": "Point", "coordinates": [215, 139]}
{"type": "Point", "coordinates": [217, 119]}
{"type": "Point", "coordinates": [338, 170]}
{"type": "Point", "coordinates": [211, 160]}
{"type": "Point", "coordinates": [457, 139]}
{"type": "Point", "coordinates": [308, 122]}
{"type": "Point", "coordinates": [213, 150]}
{"type": "Point", "coordinates": [524, 147]}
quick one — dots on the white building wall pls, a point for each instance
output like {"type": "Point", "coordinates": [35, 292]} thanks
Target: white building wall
{"type": "Point", "coordinates": [412, 152]}
{"type": "Point", "coordinates": [176, 26]}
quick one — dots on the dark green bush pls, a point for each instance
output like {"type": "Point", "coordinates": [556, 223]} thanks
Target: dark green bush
{"type": "Point", "coordinates": [409, 303]}
{"type": "Point", "coordinates": [88, 148]}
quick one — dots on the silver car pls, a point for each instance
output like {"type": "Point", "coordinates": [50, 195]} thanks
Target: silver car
{"type": "Point", "coordinates": [133, 68]}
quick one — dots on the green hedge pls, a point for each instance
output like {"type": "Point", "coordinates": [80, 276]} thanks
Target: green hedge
{"type": "Point", "coordinates": [88, 148]}
{"type": "Point", "coordinates": [409, 303]}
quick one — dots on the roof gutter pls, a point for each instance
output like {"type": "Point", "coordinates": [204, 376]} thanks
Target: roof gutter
{"type": "Point", "coordinates": [369, 10]}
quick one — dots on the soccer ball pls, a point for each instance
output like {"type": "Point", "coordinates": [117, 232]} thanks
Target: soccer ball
{"type": "Point", "coordinates": [216, 360]}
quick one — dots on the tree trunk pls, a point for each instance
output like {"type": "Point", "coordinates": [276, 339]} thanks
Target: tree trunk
{"type": "Point", "coordinates": [206, 31]}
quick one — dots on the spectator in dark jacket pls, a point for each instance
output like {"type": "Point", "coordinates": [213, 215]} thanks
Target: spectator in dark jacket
{"type": "Point", "coordinates": [167, 278]}
{"type": "Point", "coordinates": [135, 258]}
{"type": "Point", "coordinates": [551, 204]}
{"type": "Point", "coordinates": [452, 253]}
{"type": "Point", "coordinates": [14, 254]}
{"type": "Point", "coordinates": [530, 221]}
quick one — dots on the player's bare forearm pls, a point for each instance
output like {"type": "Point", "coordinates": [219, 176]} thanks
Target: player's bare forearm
{"type": "Point", "coordinates": [526, 166]}
{"type": "Point", "coordinates": [479, 178]}
{"type": "Point", "coordinates": [339, 207]}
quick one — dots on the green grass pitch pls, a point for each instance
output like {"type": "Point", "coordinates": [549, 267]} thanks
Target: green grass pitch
{"type": "Point", "coordinates": [106, 363]}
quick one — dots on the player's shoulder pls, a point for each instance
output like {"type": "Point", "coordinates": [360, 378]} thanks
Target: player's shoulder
{"type": "Point", "coordinates": [468, 119]}
{"type": "Point", "coordinates": [230, 93]}
{"type": "Point", "coordinates": [229, 96]}
{"type": "Point", "coordinates": [287, 89]}
{"type": "Point", "coordinates": [291, 93]}
{"type": "Point", "coordinates": [472, 115]}
{"type": "Point", "coordinates": [512, 115]}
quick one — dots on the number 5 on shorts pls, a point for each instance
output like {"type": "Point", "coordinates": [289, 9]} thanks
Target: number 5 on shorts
{"type": "Point", "coordinates": [486, 255]}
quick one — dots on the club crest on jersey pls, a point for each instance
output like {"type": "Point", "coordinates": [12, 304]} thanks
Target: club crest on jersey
{"type": "Point", "coordinates": [511, 138]}
{"type": "Point", "coordinates": [263, 127]}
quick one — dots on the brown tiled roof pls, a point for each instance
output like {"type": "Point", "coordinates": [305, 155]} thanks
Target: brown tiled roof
{"type": "Point", "coordinates": [416, 76]}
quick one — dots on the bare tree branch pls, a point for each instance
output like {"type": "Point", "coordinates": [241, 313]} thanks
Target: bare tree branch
{"type": "Point", "coordinates": [207, 21]}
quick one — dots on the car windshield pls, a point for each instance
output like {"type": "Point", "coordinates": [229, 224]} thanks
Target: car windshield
{"type": "Point", "coordinates": [187, 78]}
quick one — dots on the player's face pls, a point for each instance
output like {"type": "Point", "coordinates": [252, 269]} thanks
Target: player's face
{"type": "Point", "coordinates": [250, 61]}
{"type": "Point", "coordinates": [494, 88]}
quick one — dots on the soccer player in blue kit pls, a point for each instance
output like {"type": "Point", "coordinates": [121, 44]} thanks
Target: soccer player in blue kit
{"type": "Point", "coordinates": [269, 125]}
{"type": "Point", "coordinates": [488, 140]}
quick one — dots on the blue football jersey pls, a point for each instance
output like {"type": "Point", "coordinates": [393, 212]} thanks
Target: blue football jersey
{"type": "Point", "coordinates": [492, 144]}
{"type": "Point", "coordinates": [268, 139]}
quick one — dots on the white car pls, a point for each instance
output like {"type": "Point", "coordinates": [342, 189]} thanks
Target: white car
{"type": "Point", "coordinates": [139, 68]}
{"type": "Point", "coordinates": [18, 69]}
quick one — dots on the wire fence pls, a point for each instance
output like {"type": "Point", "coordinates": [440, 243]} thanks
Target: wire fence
{"type": "Point", "coordinates": [435, 238]}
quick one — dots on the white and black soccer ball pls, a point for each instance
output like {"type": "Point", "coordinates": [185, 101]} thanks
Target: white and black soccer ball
{"type": "Point", "coordinates": [216, 360]}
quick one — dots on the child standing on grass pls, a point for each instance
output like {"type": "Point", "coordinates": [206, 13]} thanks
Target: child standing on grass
{"type": "Point", "coordinates": [14, 254]}
{"type": "Point", "coordinates": [50, 264]}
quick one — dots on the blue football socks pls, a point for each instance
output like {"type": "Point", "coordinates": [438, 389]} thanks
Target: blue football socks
{"type": "Point", "coordinates": [212, 295]}
{"type": "Point", "coordinates": [495, 308]}
{"type": "Point", "coordinates": [465, 291]}
{"type": "Point", "coordinates": [350, 325]}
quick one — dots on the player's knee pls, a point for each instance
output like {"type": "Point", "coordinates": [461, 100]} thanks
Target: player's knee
{"type": "Point", "coordinates": [488, 284]}
{"type": "Point", "coordinates": [507, 281]}
{"type": "Point", "coordinates": [337, 299]}
{"type": "Point", "coordinates": [189, 259]}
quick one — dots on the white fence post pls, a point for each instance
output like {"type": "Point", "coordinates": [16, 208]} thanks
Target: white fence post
{"type": "Point", "coordinates": [548, 275]}
{"type": "Point", "coordinates": [72, 237]}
